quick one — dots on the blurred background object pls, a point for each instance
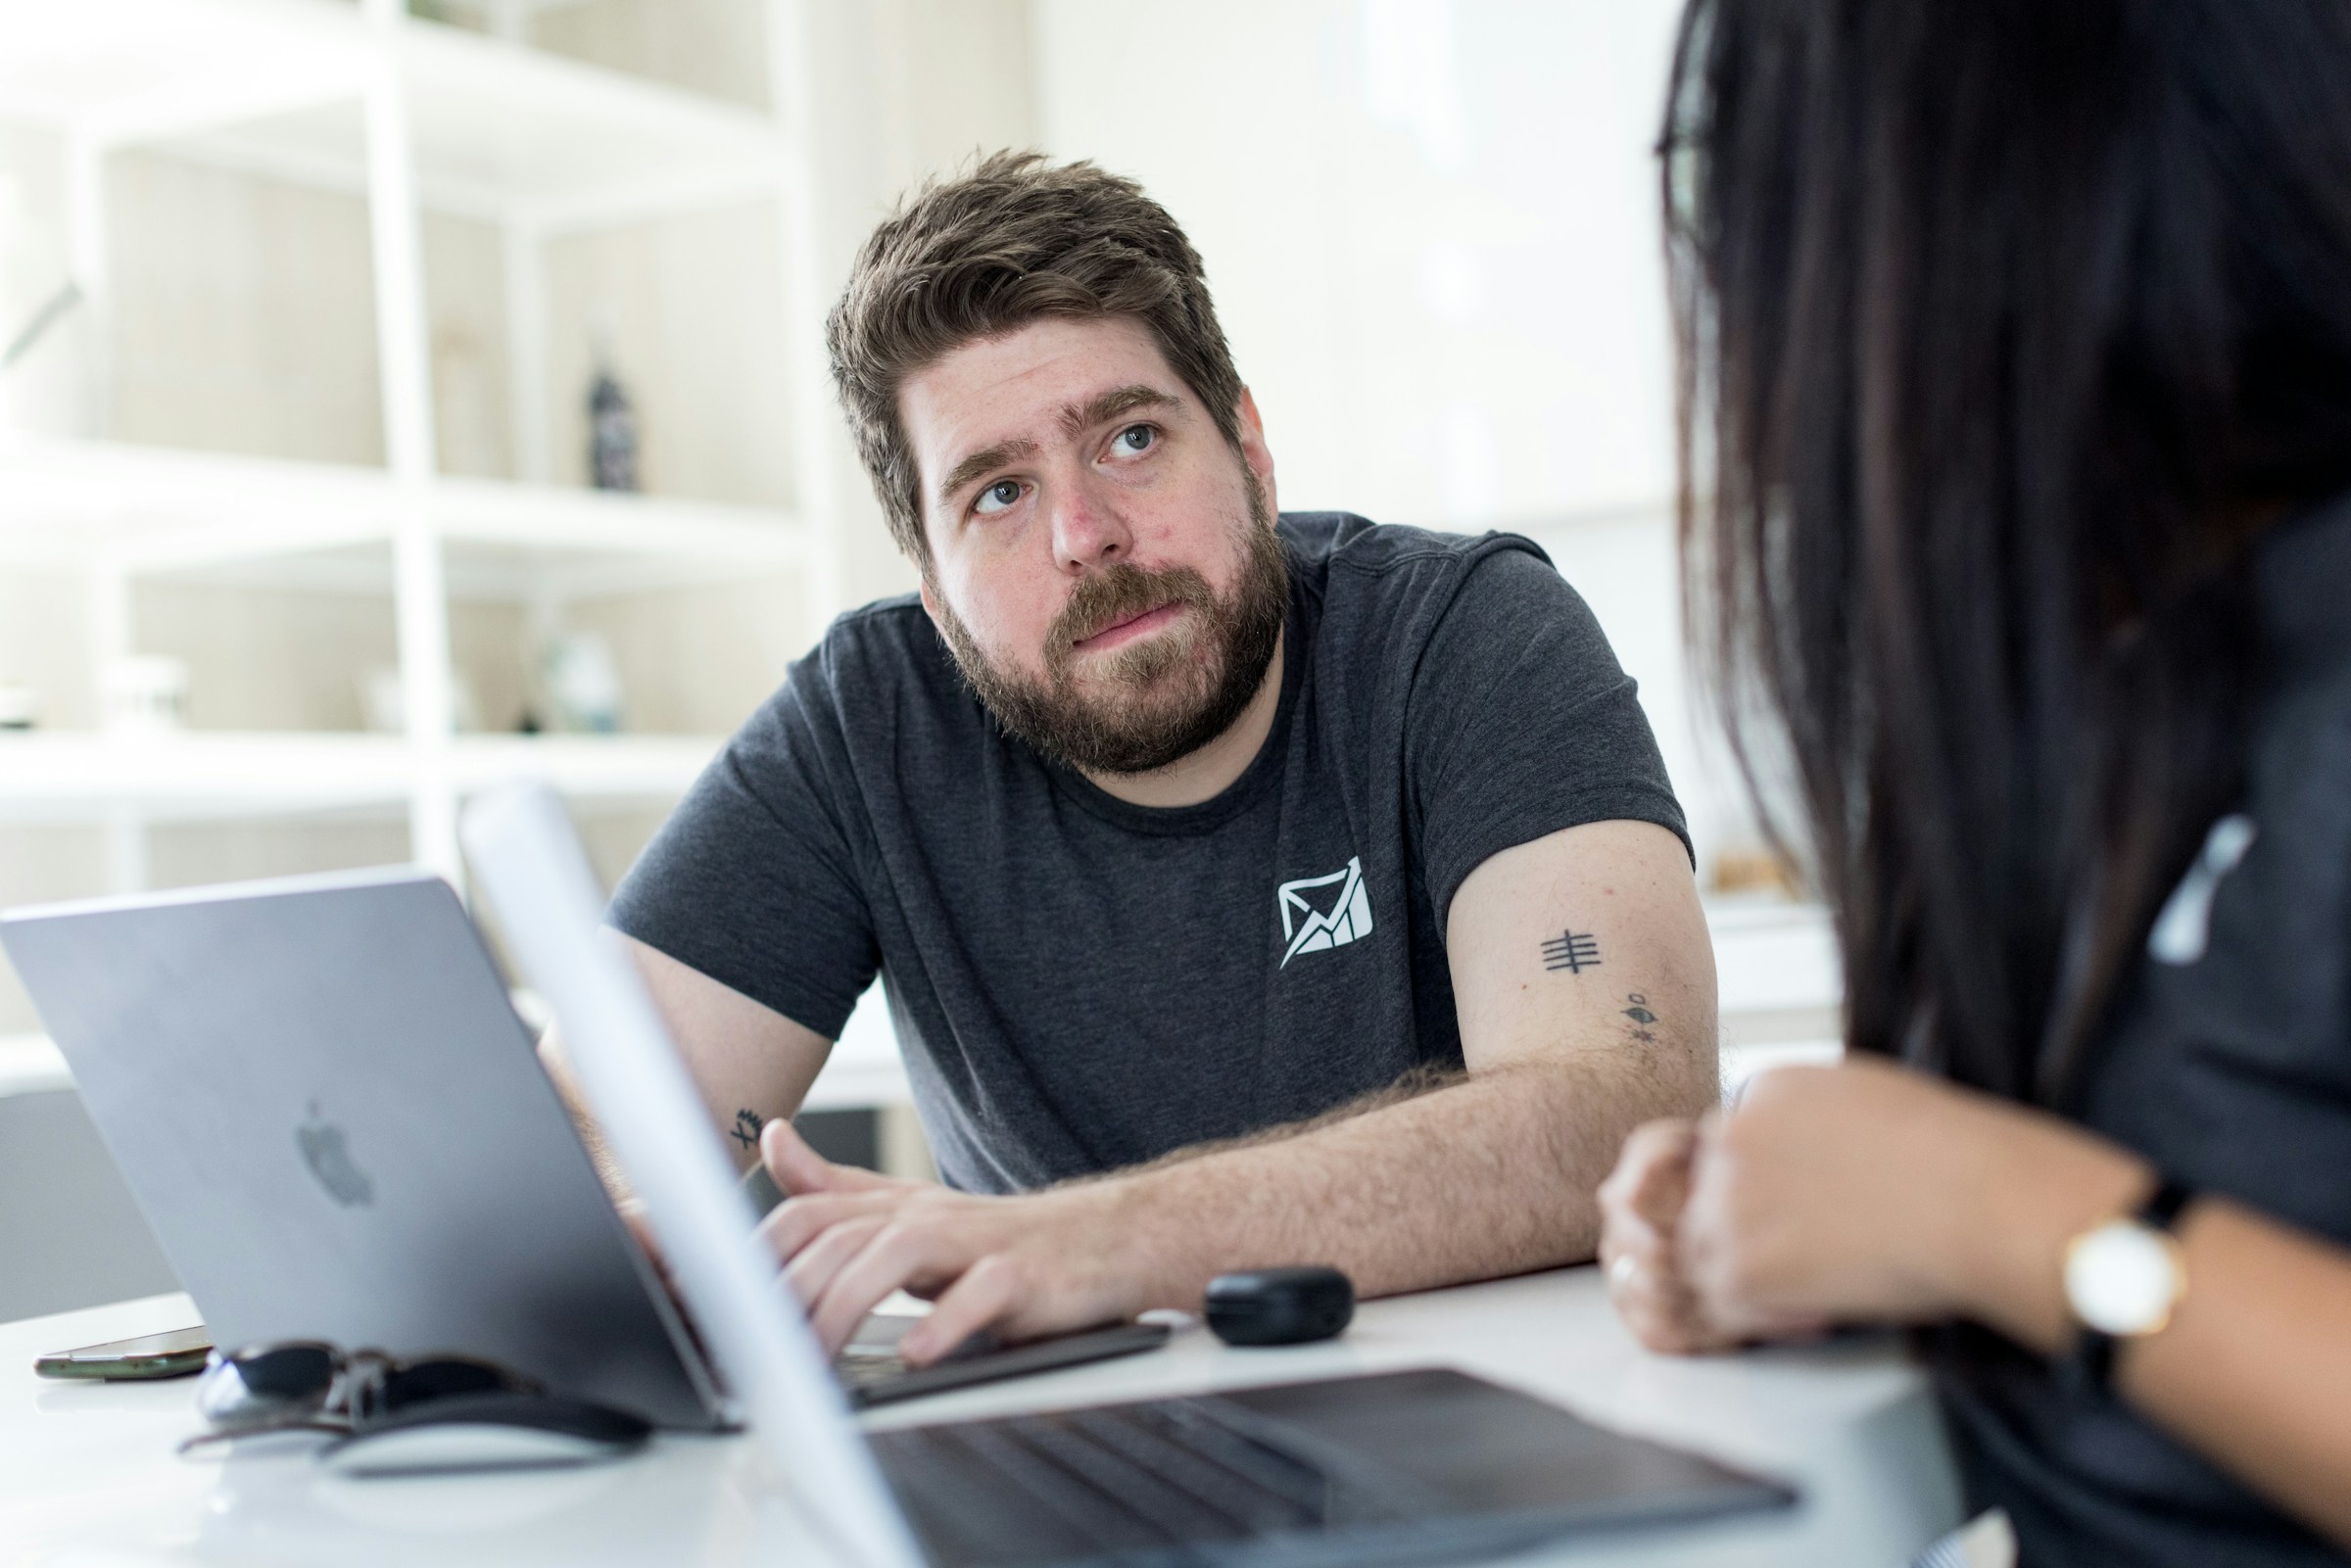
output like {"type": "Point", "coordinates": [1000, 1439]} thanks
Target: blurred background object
{"type": "Point", "coordinates": [582, 682]}
{"type": "Point", "coordinates": [323, 428]}
{"type": "Point", "coordinates": [19, 705]}
{"type": "Point", "coordinates": [611, 434]}
{"type": "Point", "coordinates": [146, 693]}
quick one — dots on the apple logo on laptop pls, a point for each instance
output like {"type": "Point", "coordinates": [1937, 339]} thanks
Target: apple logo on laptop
{"type": "Point", "coordinates": [325, 1150]}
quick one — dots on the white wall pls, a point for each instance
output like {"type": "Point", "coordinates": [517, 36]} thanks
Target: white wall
{"type": "Point", "coordinates": [1431, 227]}
{"type": "Point", "coordinates": [903, 89]}
{"type": "Point", "coordinates": [1432, 230]}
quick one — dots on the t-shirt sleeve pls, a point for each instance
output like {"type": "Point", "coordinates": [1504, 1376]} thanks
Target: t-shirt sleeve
{"type": "Point", "coordinates": [753, 878]}
{"type": "Point", "coordinates": [1523, 723]}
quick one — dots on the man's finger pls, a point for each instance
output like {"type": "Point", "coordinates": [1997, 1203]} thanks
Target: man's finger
{"type": "Point", "coordinates": [895, 1255]}
{"type": "Point", "coordinates": [797, 1169]}
{"type": "Point", "coordinates": [796, 1222]}
{"type": "Point", "coordinates": [983, 1298]}
{"type": "Point", "coordinates": [815, 1265]}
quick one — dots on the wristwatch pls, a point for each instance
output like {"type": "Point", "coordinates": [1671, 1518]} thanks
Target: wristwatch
{"type": "Point", "coordinates": [2123, 1279]}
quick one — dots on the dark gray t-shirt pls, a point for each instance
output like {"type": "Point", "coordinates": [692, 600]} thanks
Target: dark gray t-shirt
{"type": "Point", "coordinates": [2228, 1065]}
{"type": "Point", "coordinates": [1080, 983]}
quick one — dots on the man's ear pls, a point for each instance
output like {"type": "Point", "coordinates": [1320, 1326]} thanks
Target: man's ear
{"type": "Point", "coordinates": [930, 598]}
{"type": "Point", "coordinates": [1254, 450]}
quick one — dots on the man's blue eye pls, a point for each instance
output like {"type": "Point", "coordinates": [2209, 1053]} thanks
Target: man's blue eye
{"type": "Point", "coordinates": [1137, 438]}
{"type": "Point", "coordinates": [998, 496]}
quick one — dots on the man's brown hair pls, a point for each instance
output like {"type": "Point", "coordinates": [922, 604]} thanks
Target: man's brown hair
{"type": "Point", "coordinates": [1011, 242]}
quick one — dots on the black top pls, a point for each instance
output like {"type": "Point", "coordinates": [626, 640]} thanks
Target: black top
{"type": "Point", "coordinates": [1080, 983]}
{"type": "Point", "coordinates": [2229, 1067]}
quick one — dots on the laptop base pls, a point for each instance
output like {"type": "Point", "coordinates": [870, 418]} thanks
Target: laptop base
{"type": "Point", "coordinates": [1397, 1467]}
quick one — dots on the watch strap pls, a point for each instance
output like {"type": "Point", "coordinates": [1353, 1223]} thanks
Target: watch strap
{"type": "Point", "coordinates": [2162, 1209]}
{"type": "Point", "coordinates": [2090, 1367]}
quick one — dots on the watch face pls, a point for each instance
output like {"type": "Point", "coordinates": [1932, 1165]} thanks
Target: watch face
{"type": "Point", "coordinates": [2123, 1278]}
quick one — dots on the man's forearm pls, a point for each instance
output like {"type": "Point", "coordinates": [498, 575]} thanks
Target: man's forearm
{"type": "Point", "coordinates": [557, 1066]}
{"type": "Point", "coordinates": [1491, 1175]}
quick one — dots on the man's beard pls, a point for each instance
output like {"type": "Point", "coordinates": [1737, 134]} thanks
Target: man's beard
{"type": "Point", "coordinates": [1163, 697]}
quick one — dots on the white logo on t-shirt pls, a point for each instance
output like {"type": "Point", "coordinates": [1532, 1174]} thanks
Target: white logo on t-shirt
{"type": "Point", "coordinates": [1309, 929]}
{"type": "Point", "coordinates": [2185, 926]}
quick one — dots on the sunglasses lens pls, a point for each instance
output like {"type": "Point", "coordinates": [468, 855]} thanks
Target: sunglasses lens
{"type": "Point", "coordinates": [268, 1382]}
{"type": "Point", "coordinates": [444, 1377]}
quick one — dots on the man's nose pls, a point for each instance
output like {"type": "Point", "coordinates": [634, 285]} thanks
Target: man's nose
{"type": "Point", "coordinates": [1086, 535]}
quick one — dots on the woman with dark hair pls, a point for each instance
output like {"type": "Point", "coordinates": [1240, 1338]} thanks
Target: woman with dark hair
{"type": "Point", "coordinates": [2016, 387]}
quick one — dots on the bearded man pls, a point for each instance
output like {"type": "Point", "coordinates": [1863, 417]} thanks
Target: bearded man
{"type": "Point", "coordinates": [1248, 892]}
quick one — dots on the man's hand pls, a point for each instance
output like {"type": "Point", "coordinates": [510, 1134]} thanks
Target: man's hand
{"type": "Point", "coordinates": [1042, 1264]}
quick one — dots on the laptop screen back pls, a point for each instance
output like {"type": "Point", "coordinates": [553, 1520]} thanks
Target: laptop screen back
{"type": "Point", "coordinates": [337, 1128]}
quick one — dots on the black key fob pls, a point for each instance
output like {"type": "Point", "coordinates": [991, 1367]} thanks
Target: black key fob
{"type": "Point", "coordinates": [1280, 1306]}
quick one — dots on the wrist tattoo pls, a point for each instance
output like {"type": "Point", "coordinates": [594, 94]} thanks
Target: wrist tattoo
{"type": "Point", "coordinates": [1573, 951]}
{"type": "Point", "coordinates": [746, 1127]}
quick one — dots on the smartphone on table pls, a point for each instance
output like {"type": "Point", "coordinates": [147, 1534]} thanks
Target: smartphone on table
{"type": "Point", "coordinates": [176, 1353]}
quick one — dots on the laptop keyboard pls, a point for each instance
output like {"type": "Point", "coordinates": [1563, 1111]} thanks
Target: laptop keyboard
{"type": "Point", "coordinates": [1163, 1473]}
{"type": "Point", "coordinates": [859, 1368]}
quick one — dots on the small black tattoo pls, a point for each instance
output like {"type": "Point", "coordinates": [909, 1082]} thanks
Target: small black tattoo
{"type": "Point", "coordinates": [747, 1128]}
{"type": "Point", "coordinates": [1573, 951]}
{"type": "Point", "coordinates": [1639, 1011]}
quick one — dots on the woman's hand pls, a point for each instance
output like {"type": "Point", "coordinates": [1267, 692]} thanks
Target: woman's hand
{"type": "Point", "coordinates": [1640, 1211]}
{"type": "Point", "coordinates": [1859, 1193]}
{"type": "Point", "coordinates": [1871, 1193]}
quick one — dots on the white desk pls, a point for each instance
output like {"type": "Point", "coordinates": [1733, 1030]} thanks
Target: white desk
{"type": "Point", "coordinates": [87, 1475]}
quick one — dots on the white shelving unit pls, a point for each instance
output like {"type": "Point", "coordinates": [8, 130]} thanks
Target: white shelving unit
{"type": "Point", "coordinates": [471, 124]}
{"type": "Point", "coordinates": [181, 777]}
{"type": "Point", "coordinates": [1779, 987]}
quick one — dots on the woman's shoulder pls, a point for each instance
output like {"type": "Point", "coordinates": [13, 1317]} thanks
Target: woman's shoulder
{"type": "Point", "coordinates": [2302, 590]}
{"type": "Point", "coordinates": [2229, 1061]}
{"type": "Point", "coordinates": [2301, 764]}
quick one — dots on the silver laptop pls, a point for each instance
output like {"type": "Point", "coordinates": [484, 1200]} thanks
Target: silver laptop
{"type": "Point", "coordinates": [338, 1129]}
{"type": "Point", "coordinates": [1412, 1466]}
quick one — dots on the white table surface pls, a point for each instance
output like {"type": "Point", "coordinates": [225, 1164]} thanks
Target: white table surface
{"type": "Point", "coordinates": [88, 1476]}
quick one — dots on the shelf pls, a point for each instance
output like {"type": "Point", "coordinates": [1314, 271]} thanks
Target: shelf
{"type": "Point", "coordinates": [862, 1072]}
{"type": "Point", "coordinates": [63, 777]}
{"type": "Point", "coordinates": [499, 130]}
{"type": "Point", "coordinates": [412, 116]}
{"type": "Point", "coordinates": [151, 509]}
{"type": "Point", "coordinates": [608, 767]}
{"type": "Point", "coordinates": [1772, 957]}
{"type": "Point", "coordinates": [128, 70]}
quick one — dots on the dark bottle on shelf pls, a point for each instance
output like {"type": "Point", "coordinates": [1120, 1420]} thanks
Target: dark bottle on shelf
{"type": "Point", "coordinates": [611, 434]}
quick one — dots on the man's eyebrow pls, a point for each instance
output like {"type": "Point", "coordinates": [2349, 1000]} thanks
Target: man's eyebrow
{"type": "Point", "coordinates": [1078, 418]}
{"type": "Point", "coordinates": [1103, 407]}
{"type": "Point", "coordinates": [980, 461]}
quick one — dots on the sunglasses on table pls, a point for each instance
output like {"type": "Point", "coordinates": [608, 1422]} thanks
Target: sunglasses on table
{"type": "Point", "coordinates": [309, 1385]}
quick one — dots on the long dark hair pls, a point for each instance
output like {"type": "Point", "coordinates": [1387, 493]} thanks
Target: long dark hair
{"type": "Point", "coordinates": [2006, 327]}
